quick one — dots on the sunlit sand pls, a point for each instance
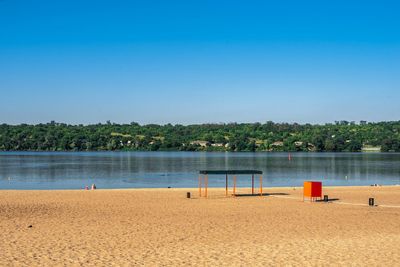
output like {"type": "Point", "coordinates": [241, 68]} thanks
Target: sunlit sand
{"type": "Point", "coordinates": [159, 227]}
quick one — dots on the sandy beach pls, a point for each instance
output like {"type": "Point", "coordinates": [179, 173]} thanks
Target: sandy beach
{"type": "Point", "coordinates": [161, 227]}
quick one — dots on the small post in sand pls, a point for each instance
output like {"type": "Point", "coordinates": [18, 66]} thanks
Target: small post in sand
{"type": "Point", "coordinates": [371, 202]}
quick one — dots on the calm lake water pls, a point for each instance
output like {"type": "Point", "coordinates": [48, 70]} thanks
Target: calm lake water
{"type": "Point", "coordinates": [70, 170]}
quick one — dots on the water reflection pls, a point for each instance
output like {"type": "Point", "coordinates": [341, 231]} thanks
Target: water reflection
{"type": "Point", "coordinates": [42, 170]}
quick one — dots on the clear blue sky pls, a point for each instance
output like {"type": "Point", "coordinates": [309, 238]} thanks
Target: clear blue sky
{"type": "Point", "coordinates": [199, 61]}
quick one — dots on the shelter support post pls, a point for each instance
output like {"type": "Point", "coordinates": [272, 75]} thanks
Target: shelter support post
{"type": "Point", "coordinates": [234, 185]}
{"type": "Point", "coordinates": [226, 185]}
{"type": "Point", "coordinates": [200, 185]}
{"type": "Point", "coordinates": [261, 186]}
{"type": "Point", "coordinates": [252, 184]}
{"type": "Point", "coordinates": [206, 185]}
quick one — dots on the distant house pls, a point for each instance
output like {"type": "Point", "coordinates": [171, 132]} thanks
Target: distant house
{"type": "Point", "coordinates": [200, 143]}
{"type": "Point", "coordinates": [369, 148]}
{"type": "Point", "coordinates": [311, 147]}
{"type": "Point", "coordinates": [298, 143]}
{"type": "Point", "coordinates": [277, 143]}
{"type": "Point", "coordinates": [217, 145]}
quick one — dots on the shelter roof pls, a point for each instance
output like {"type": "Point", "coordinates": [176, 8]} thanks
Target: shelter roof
{"type": "Point", "coordinates": [220, 172]}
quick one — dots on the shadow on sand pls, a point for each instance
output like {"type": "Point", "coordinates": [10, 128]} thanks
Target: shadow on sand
{"type": "Point", "coordinates": [264, 194]}
{"type": "Point", "coordinates": [329, 200]}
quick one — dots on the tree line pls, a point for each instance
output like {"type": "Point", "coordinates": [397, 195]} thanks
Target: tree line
{"type": "Point", "coordinates": [340, 136]}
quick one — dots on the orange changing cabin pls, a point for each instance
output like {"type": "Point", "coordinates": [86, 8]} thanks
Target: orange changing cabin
{"type": "Point", "coordinates": [312, 190]}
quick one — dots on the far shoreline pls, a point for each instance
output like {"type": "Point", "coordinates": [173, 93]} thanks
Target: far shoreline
{"type": "Point", "coordinates": [213, 151]}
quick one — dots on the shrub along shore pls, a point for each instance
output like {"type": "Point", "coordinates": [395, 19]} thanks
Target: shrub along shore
{"type": "Point", "coordinates": [341, 136]}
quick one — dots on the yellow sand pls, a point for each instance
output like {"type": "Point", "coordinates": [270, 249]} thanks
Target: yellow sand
{"type": "Point", "coordinates": [160, 227]}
